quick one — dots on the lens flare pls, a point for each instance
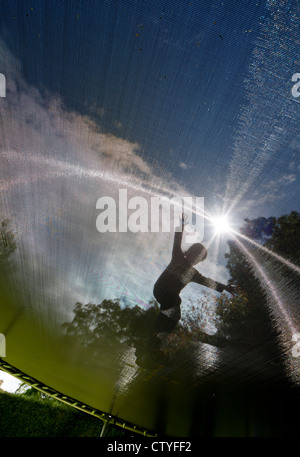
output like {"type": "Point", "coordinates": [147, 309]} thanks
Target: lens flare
{"type": "Point", "coordinates": [221, 224]}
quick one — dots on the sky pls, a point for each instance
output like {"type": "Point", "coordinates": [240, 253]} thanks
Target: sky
{"type": "Point", "coordinates": [177, 79]}
{"type": "Point", "coordinates": [168, 98]}
{"type": "Point", "coordinates": [10, 383]}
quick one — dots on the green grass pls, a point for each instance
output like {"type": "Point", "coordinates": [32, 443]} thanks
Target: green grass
{"type": "Point", "coordinates": [22, 416]}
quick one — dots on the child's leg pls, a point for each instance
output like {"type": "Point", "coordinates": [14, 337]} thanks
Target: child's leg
{"type": "Point", "coordinates": [167, 319]}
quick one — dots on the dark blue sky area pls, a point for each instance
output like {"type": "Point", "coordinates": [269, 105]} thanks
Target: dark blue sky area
{"type": "Point", "coordinates": [170, 72]}
{"type": "Point", "coordinates": [168, 75]}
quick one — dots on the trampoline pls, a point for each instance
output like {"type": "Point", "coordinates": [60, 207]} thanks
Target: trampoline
{"type": "Point", "coordinates": [125, 126]}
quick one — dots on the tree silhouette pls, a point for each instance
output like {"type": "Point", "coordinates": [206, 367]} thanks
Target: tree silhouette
{"type": "Point", "coordinates": [244, 321]}
{"type": "Point", "coordinates": [110, 325]}
{"type": "Point", "coordinates": [8, 245]}
{"type": "Point", "coordinates": [280, 235]}
{"type": "Point", "coordinates": [7, 242]}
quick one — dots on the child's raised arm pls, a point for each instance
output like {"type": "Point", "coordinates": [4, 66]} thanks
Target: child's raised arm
{"type": "Point", "coordinates": [178, 238]}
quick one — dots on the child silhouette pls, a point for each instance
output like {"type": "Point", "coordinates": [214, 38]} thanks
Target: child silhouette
{"type": "Point", "coordinates": [174, 278]}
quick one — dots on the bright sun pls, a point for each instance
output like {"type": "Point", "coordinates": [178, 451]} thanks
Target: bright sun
{"type": "Point", "coordinates": [221, 224]}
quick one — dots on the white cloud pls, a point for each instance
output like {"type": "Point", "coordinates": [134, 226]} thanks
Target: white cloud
{"type": "Point", "coordinates": [295, 142]}
{"type": "Point", "coordinates": [283, 180]}
{"type": "Point", "coordinates": [288, 179]}
{"type": "Point", "coordinates": [183, 165]}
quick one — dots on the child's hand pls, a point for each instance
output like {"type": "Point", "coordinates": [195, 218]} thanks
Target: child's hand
{"type": "Point", "coordinates": [184, 220]}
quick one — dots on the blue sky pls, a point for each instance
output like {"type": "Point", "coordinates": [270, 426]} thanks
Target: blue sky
{"type": "Point", "coordinates": [10, 383]}
{"type": "Point", "coordinates": [170, 76]}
